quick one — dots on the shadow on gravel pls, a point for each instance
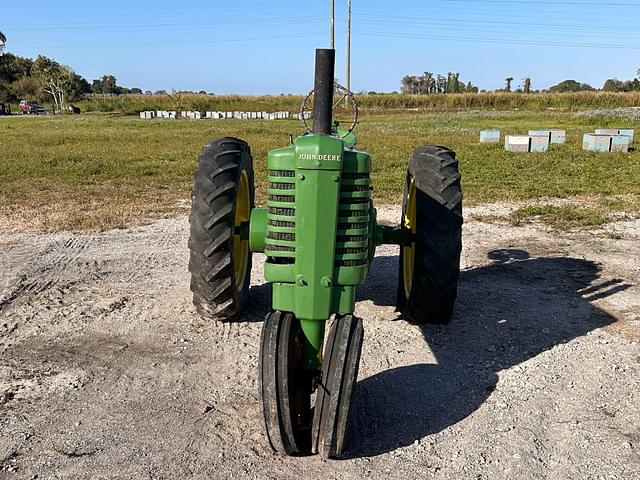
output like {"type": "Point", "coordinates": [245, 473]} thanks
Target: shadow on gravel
{"type": "Point", "coordinates": [508, 312]}
{"type": "Point", "coordinates": [259, 304]}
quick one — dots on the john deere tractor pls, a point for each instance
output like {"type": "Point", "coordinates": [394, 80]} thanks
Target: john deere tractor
{"type": "Point", "coordinates": [318, 233]}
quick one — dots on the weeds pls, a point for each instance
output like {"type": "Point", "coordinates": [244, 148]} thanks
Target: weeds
{"type": "Point", "coordinates": [132, 104]}
{"type": "Point", "coordinates": [562, 217]}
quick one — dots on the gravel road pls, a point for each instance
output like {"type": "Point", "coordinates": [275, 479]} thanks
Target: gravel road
{"type": "Point", "coordinates": [106, 371]}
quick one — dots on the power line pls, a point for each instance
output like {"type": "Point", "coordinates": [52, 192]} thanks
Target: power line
{"type": "Point", "coordinates": [554, 2]}
{"type": "Point", "coordinates": [261, 38]}
{"type": "Point", "coordinates": [174, 11]}
{"type": "Point", "coordinates": [493, 40]}
{"type": "Point", "coordinates": [478, 10]}
{"type": "Point", "coordinates": [262, 21]}
{"type": "Point", "coordinates": [519, 31]}
{"type": "Point", "coordinates": [457, 21]}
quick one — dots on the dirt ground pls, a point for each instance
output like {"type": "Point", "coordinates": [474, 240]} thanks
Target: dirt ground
{"type": "Point", "coordinates": [106, 371]}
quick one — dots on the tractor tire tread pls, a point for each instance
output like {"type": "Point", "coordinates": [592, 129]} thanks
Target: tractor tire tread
{"type": "Point", "coordinates": [212, 227]}
{"type": "Point", "coordinates": [438, 239]}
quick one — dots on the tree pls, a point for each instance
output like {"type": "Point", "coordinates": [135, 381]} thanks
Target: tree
{"type": "Point", "coordinates": [507, 84]}
{"type": "Point", "coordinates": [613, 85]}
{"type": "Point", "coordinates": [408, 84]}
{"type": "Point", "coordinates": [571, 86]}
{"type": "Point", "coordinates": [109, 84]}
{"type": "Point", "coordinates": [3, 42]}
{"type": "Point", "coordinates": [96, 86]}
{"type": "Point", "coordinates": [57, 80]}
{"type": "Point", "coordinates": [12, 69]}
{"type": "Point", "coordinates": [428, 83]}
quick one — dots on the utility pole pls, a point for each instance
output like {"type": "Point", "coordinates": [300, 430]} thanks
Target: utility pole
{"type": "Point", "coordinates": [333, 24]}
{"type": "Point", "coordinates": [348, 45]}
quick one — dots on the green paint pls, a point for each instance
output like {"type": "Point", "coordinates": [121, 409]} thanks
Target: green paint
{"type": "Point", "coordinates": [319, 231]}
{"type": "Point", "coordinates": [257, 229]}
{"type": "Point", "coordinates": [314, 334]}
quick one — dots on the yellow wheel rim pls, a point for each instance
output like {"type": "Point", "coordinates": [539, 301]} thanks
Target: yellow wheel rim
{"type": "Point", "coordinates": [240, 255]}
{"type": "Point", "coordinates": [409, 253]}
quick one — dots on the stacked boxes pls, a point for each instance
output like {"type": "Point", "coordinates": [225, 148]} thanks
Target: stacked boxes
{"type": "Point", "coordinates": [539, 143]}
{"type": "Point", "coordinates": [608, 140]}
{"type": "Point", "coordinates": [526, 143]}
{"type": "Point", "coordinates": [222, 115]}
{"type": "Point", "coordinates": [517, 143]}
{"type": "Point", "coordinates": [191, 115]}
{"type": "Point", "coordinates": [620, 143]}
{"type": "Point", "coordinates": [307, 115]}
{"type": "Point", "coordinates": [166, 114]}
{"type": "Point", "coordinates": [627, 132]}
{"type": "Point", "coordinates": [490, 136]}
{"type": "Point", "coordinates": [596, 142]}
{"type": "Point", "coordinates": [555, 136]}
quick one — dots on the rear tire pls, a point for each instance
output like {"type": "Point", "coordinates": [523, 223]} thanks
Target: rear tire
{"type": "Point", "coordinates": [222, 197]}
{"type": "Point", "coordinates": [432, 212]}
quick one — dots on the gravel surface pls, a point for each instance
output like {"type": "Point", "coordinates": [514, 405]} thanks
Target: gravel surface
{"type": "Point", "coordinates": [106, 371]}
{"type": "Point", "coordinates": [629, 113]}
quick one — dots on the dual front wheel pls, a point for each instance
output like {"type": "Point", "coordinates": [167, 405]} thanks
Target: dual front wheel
{"type": "Point", "coordinates": [292, 425]}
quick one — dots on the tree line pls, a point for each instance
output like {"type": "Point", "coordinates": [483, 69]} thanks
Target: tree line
{"type": "Point", "coordinates": [44, 79]}
{"type": "Point", "coordinates": [428, 83]}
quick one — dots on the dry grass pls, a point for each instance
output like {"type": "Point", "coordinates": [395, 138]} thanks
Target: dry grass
{"type": "Point", "coordinates": [94, 172]}
{"type": "Point", "coordinates": [89, 208]}
{"type": "Point", "coordinates": [388, 102]}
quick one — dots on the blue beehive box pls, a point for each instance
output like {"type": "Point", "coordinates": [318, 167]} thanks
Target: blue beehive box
{"type": "Point", "coordinates": [540, 133]}
{"type": "Point", "coordinates": [617, 131]}
{"type": "Point", "coordinates": [628, 132]}
{"type": "Point", "coordinates": [490, 136]}
{"type": "Point", "coordinates": [596, 142]}
{"type": "Point", "coordinates": [620, 143]}
{"type": "Point", "coordinates": [555, 135]}
{"type": "Point", "coordinates": [539, 143]}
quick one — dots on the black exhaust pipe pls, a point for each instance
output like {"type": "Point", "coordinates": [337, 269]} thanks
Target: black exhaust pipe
{"type": "Point", "coordinates": [323, 90]}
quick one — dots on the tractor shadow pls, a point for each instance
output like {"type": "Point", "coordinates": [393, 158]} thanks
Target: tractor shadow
{"type": "Point", "coordinates": [507, 312]}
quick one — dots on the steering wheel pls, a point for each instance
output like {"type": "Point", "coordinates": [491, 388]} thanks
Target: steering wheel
{"type": "Point", "coordinates": [343, 93]}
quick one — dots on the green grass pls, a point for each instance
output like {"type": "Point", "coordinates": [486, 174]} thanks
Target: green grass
{"type": "Point", "coordinates": [103, 171]}
{"type": "Point", "coordinates": [563, 217]}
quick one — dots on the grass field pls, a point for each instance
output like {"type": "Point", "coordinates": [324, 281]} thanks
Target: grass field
{"type": "Point", "coordinates": [94, 172]}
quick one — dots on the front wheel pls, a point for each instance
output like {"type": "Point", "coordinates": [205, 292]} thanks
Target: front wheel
{"type": "Point", "coordinates": [432, 216]}
{"type": "Point", "coordinates": [285, 387]}
{"type": "Point", "coordinates": [339, 375]}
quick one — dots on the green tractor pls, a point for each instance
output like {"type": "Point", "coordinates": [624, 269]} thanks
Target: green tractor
{"type": "Point", "coordinates": [318, 233]}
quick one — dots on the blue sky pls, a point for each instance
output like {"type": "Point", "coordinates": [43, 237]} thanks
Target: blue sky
{"type": "Point", "coordinates": [258, 47]}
